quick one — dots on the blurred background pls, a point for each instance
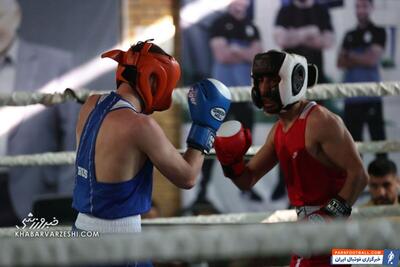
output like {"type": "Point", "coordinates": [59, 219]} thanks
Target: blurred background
{"type": "Point", "coordinates": [51, 45]}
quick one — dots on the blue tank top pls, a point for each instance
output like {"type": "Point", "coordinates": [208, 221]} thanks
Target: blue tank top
{"type": "Point", "coordinates": [108, 200]}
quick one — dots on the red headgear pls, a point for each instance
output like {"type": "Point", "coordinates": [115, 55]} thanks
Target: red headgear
{"type": "Point", "coordinates": [137, 66]}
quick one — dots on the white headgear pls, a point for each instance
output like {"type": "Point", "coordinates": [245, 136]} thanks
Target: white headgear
{"type": "Point", "coordinates": [296, 75]}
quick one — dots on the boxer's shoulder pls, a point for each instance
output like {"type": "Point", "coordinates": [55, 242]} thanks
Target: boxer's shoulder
{"type": "Point", "coordinates": [321, 116]}
{"type": "Point", "coordinates": [89, 104]}
{"type": "Point", "coordinates": [140, 126]}
{"type": "Point", "coordinates": [322, 123]}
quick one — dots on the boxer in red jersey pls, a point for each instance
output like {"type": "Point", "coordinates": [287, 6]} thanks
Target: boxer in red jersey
{"type": "Point", "coordinates": [323, 171]}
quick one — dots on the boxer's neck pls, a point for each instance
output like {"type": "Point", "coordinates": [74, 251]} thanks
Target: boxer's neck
{"type": "Point", "coordinates": [131, 95]}
{"type": "Point", "coordinates": [288, 117]}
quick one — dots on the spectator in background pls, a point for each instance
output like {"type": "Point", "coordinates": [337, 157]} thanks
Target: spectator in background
{"type": "Point", "coordinates": [25, 66]}
{"type": "Point", "coordinates": [304, 27]}
{"type": "Point", "coordinates": [234, 41]}
{"type": "Point", "coordinates": [384, 183]}
{"type": "Point", "coordinates": [359, 57]}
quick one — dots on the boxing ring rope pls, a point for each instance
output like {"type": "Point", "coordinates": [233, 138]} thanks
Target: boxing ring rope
{"type": "Point", "coordinates": [191, 243]}
{"type": "Point", "coordinates": [277, 216]}
{"type": "Point", "coordinates": [318, 92]}
{"type": "Point", "coordinates": [68, 157]}
{"type": "Point", "coordinates": [239, 94]}
{"type": "Point", "coordinates": [227, 236]}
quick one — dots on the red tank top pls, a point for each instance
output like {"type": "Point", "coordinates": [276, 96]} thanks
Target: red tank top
{"type": "Point", "coordinates": [308, 181]}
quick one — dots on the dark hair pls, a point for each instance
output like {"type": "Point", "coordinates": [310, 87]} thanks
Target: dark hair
{"type": "Point", "coordinates": [382, 167]}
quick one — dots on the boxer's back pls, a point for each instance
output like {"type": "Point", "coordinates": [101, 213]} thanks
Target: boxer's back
{"type": "Point", "coordinates": [107, 182]}
{"type": "Point", "coordinates": [116, 158]}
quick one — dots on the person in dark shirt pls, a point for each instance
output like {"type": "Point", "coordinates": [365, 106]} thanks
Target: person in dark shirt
{"type": "Point", "coordinates": [359, 57]}
{"type": "Point", "coordinates": [234, 41]}
{"type": "Point", "coordinates": [304, 27]}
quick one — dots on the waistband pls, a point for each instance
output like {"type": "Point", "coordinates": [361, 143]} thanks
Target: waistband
{"type": "Point", "coordinates": [131, 224]}
{"type": "Point", "coordinates": [304, 211]}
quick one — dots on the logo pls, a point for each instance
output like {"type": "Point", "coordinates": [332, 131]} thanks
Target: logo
{"type": "Point", "coordinates": [36, 223]}
{"type": "Point", "coordinates": [365, 256]}
{"type": "Point", "coordinates": [391, 257]}
{"type": "Point", "coordinates": [82, 172]}
{"type": "Point", "coordinates": [210, 141]}
{"type": "Point", "coordinates": [192, 94]}
{"type": "Point", "coordinates": [39, 227]}
{"type": "Point", "coordinates": [367, 37]}
{"type": "Point", "coordinates": [218, 114]}
{"type": "Point", "coordinates": [249, 31]}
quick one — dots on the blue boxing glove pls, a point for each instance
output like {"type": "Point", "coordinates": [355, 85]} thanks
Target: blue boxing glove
{"type": "Point", "coordinates": [209, 102]}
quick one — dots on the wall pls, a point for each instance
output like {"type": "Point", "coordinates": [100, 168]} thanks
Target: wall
{"type": "Point", "coordinates": [155, 19]}
{"type": "Point", "coordinates": [343, 19]}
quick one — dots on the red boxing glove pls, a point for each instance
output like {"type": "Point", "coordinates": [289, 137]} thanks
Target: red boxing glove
{"type": "Point", "coordinates": [231, 143]}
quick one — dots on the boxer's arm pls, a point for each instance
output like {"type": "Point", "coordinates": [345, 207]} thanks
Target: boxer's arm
{"type": "Point", "coordinates": [181, 171]}
{"type": "Point", "coordinates": [262, 162]}
{"type": "Point", "coordinates": [337, 144]}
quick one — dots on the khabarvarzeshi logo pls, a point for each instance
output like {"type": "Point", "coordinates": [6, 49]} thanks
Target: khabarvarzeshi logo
{"type": "Point", "coordinates": [39, 227]}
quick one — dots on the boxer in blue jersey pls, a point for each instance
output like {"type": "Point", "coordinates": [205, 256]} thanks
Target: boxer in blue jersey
{"type": "Point", "coordinates": [118, 143]}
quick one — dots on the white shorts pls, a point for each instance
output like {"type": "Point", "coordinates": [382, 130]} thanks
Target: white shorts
{"type": "Point", "coordinates": [131, 224]}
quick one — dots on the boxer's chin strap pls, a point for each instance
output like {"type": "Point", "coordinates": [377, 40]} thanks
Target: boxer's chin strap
{"type": "Point", "coordinates": [288, 107]}
{"type": "Point", "coordinates": [337, 207]}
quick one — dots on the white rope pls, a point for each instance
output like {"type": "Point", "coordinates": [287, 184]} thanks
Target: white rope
{"type": "Point", "coordinates": [68, 157]}
{"type": "Point", "coordinates": [362, 147]}
{"type": "Point", "coordinates": [189, 243]}
{"type": "Point", "coordinates": [23, 98]}
{"type": "Point", "coordinates": [277, 216]}
{"type": "Point", "coordinates": [50, 158]}
{"type": "Point", "coordinates": [378, 146]}
{"type": "Point", "coordinates": [239, 94]}
{"type": "Point", "coordinates": [270, 217]}
{"type": "Point", "coordinates": [318, 92]}
{"type": "Point", "coordinates": [340, 90]}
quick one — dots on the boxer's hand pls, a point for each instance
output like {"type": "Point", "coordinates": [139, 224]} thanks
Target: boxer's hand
{"type": "Point", "coordinates": [336, 208]}
{"type": "Point", "coordinates": [231, 143]}
{"type": "Point", "coordinates": [209, 102]}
